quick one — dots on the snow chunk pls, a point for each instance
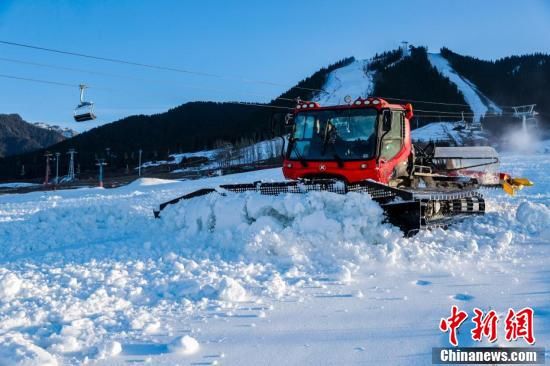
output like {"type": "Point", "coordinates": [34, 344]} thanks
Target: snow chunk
{"type": "Point", "coordinates": [276, 286]}
{"type": "Point", "coordinates": [231, 290]}
{"type": "Point", "coordinates": [16, 350]}
{"type": "Point", "coordinates": [10, 285]}
{"type": "Point", "coordinates": [345, 274]}
{"type": "Point", "coordinates": [109, 349]}
{"type": "Point", "coordinates": [185, 345]}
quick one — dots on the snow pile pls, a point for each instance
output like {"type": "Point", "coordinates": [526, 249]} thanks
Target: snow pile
{"type": "Point", "coordinates": [316, 232]}
{"type": "Point", "coordinates": [478, 103]}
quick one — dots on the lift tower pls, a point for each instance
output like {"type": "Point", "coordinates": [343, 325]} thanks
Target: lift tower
{"type": "Point", "coordinates": [527, 115]}
{"type": "Point", "coordinates": [71, 175]}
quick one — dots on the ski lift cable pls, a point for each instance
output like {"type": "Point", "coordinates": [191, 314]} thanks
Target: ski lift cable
{"type": "Point", "coordinates": [39, 81]}
{"type": "Point", "coordinates": [436, 103]}
{"type": "Point", "coordinates": [42, 81]}
{"type": "Point", "coordinates": [201, 73]}
{"type": "Point", "coordinates": [423, 114]}
{"type": "Point", "coordinates": [131, 78]}
{"type": "Point", "coordinates": [78, 85]}
{"type": "Point", "coordinates": [153, 66]}
{"type": "Point", "coordinates": [461, 113]}
{"type": "Point", "coordinates": [447, 116]}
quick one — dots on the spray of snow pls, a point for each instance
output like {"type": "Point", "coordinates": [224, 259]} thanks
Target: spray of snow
{"type": "Point", "coordinates": [522, 141]}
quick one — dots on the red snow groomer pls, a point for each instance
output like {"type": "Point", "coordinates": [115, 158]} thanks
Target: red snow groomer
{"type": "Point", "coordinates": [365, 146]}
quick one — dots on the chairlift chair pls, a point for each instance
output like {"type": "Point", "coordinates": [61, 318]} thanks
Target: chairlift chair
{"type": "Point", "coordinates": [85, 110]}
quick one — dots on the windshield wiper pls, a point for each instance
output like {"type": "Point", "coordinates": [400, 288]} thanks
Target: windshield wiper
{"type": "Point", "coordinates": [298, 155]}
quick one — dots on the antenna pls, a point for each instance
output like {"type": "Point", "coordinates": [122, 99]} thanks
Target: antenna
{"type": "Point", "coordinates": [405, 48]}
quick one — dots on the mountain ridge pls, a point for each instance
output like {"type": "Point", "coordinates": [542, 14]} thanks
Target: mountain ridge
{"type": "Point", "coordinates": [19, 136]}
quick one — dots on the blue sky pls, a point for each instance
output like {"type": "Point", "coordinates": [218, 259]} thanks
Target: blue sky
{"type": "Point", "coordinates": [279, 41]}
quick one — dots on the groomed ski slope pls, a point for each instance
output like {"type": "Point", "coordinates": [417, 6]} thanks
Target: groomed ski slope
{"type": "Point", "coordinates": [479, 104]}
{"type": "Point", "coordinates": [352, 80]}
{"type": "Point", "coordinates": [88, 276]}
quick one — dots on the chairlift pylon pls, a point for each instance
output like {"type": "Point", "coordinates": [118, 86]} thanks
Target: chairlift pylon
{"type": "Point", "coordinates": [84, 111]}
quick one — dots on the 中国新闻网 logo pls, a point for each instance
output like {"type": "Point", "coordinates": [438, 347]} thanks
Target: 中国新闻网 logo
{"type": "Point", "coordinates": [517, 325]}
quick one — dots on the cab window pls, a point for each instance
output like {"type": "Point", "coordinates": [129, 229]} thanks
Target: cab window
{"type": "Point", "coordinates": [392, 142]}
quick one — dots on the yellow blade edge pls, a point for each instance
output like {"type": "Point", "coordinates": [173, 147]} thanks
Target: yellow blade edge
{"type": "Point", "coordinates": [521, 182]}
{"type": "Point", "coordinates": [508, 188]}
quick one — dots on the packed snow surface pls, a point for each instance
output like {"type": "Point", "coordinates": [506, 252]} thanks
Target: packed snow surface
{"type": "Point", "coordinates": [479, 103]}
{"type": "Point", "coordinates": [89, 275]}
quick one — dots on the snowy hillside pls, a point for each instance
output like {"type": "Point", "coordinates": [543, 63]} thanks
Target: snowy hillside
{"type": "Point", "coordinates": [227, 156]}
{"type": "Point", "coordinates": [437, 131]}
{"type": "Point", "coordinates": [89, 275]}
{"type": "Point", "coordinates": [352, 80]}
{"type": "Point", "coordinates": [478, 102]}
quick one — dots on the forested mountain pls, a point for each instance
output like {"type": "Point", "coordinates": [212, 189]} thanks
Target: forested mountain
{"type": "Point", "coordinates": [399, 75]}
{"type": "Point", "coordinates": [414, 78]}
{"type": "Point", "coordinates": [18, 136]}
{"type": "Point", "coordinates": [508, 81]}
